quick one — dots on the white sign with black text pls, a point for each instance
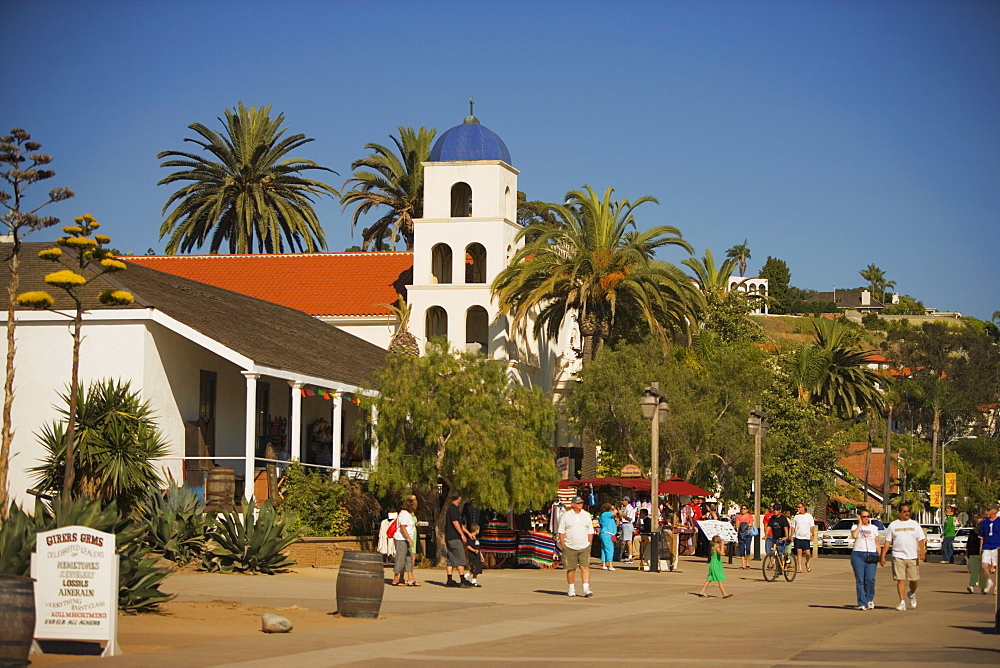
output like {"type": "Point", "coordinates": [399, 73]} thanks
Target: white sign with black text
{"type": "Point", "coordinates": [713, 528]}
{"type": "Point", "coordinates": [76, 586]}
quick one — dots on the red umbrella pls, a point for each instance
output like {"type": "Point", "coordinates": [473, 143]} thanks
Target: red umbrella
{"type": "Point", "coordinates": [680, 487]}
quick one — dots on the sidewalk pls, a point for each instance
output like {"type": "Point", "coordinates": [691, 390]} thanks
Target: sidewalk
{"type": "Point", "coordinates": [523, 617]}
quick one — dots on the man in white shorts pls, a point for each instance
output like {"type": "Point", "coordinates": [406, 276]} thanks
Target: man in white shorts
{"type": "Point", "coordinates": [909, 545]}
{"type": "Point", "coordinates": [989, 532]}
{"type": "Point", "coordinates": [804, 533]}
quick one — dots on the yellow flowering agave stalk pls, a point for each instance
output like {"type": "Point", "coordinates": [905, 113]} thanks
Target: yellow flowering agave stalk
{"type": "Point", "coordinates": [37, 299]}
{"type": "Point", "coordinates": [83, 243]}
{"type": "Point", "coordinates": [73, 229]}
{"type": "Point", "coordinates": [65, 279]}
{"type": "Point", "coordinates": [51, 254]}
{"type": "Point", "coordinates": [112, 297]}
{"type": "Point", "coordinates": [102, 238]}
{"type": "Point", "coordinates": [111, 265]}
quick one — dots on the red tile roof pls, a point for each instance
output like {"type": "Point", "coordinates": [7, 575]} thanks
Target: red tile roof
{"type": "Point", "coordinates": [321, 284]}
{"type": "Point", "coordinates": [854, 463]}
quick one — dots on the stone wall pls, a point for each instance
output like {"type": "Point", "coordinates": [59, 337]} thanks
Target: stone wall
{"type": "Point", "coordinates": [326, 551]}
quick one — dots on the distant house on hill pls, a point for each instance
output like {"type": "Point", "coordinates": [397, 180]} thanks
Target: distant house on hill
{"type": "Point", "coordinates": [861, 301]}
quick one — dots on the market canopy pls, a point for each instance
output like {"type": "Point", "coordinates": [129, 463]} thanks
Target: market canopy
{"type": "Point", "coordinates": [673, 486]}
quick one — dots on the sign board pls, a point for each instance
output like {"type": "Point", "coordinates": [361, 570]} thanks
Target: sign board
{"type": "Point", "coordinates": [713, 528]}
{"type": "Point", "coordinates": [562, 465]}
{"type": "Point", "coordinates": [76, 586]}
{"type": "Point", "coordinates": [631, 471]}
{"type": "Point", "coordinates": [936, 495]}
{"type": "Point", "coordinates": [878, 451]}
{"type": "Point", "coordinates": [951, 484]}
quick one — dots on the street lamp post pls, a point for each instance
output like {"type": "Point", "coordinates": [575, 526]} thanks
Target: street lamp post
{"type": "Point", "coordinates": [757, 426]}
{"type": "Point", "coordinates": [654, 408]}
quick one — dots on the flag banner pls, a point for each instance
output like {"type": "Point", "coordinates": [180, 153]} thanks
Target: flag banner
{"type": "Point", "coordinates": [951, 484]}
{"type": "Point", "coordinates": [936, 495]}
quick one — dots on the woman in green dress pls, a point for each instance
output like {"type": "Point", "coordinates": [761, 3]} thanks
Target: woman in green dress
{"type": "Point", "coordinates": [715, 572]}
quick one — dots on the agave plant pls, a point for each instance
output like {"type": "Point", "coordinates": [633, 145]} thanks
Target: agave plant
{"type": "Point", "coordinates": [17, 539]}
{"type": "Point", "coordinates": [176, 524]}
{"type": "Point", "coordinates": [244, 544]}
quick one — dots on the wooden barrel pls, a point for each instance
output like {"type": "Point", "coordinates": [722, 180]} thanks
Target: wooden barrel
{"type": "Point", "coordinates": [220, 488]}
{"type": "Point", "coordinates": [360, 585]}
{"type": "Point", "coordinates": [17, 610]}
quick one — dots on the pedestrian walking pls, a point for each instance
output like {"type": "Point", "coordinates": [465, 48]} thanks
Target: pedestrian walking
{"type": "Point", "coordinates": [608, 523]}
{"type": "Point", "coordinates": [404, 536]}
{"type": "Point", "coordinates": [627, 514]}
{"type": "Point", "coordinates": [744, 524]}
{"type": "Point", "coordinates": [716, 573]}
{"type": "Point", "coordinates": [576, 533]}
{"type": "Point", "coordinates": [864, 558]}
{"type": "Point", "coordinates": [475, 555]}
{"type": "Point", "coordinates": [455, 536]}
{"type": "Point", "coordinates": [803, 534]}
{"type": "Point", "coordinates": [908, 542]}
{"type": "Point", "coordinates": [989, 532]}
{"type": "Point", "coordinates": [948, 537]}
{"type": "Point", "coordinates": [974, 560]}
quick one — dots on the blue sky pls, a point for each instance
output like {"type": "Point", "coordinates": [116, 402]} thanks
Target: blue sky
{"type": "Point", "coordinates": [831, 135]}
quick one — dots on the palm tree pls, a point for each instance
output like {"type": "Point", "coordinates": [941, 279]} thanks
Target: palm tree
{"type": "Point", "coordinates": [844, 383]}
{"type": "Point", "coordinates": [393, 181]}
{"type": "Point", "coordinates": [877, 284]}
{"type": "Point", "coordinates": [403, 342]}
{"type": "Point", "coordinates": [589, 264]}
{"type": "Point", "coordinates": [251, 196]}
{"type": "Point", "coordinates": [712, 281]}
{"type": "Point", "coordinates": [740, 253]}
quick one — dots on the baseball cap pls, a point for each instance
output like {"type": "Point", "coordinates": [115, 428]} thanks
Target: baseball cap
{"type": "Point", "coordinates": [626, 499]}
{"type": "Point", "coordinates": [994, 506]}
{"type": "Point", "coordinates": [577, 499]}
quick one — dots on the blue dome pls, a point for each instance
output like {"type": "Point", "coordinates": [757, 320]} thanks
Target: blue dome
{"type": "Point", "coordinates": [469, 141]}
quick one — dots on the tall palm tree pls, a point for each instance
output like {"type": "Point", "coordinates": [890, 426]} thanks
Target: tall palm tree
{"type": "Point", "coordinates": [250, 196]}
{"type": "Point", "coordinates": [740, 253]}
{"type": "Point", "coordinates": [587, 265]}
{"type": "Point", "coordinates": [393, 181]}
{"type": "Point", "coordinates": [844, 383]}
{"type": "Point", "coordinates": [877, 284]}
{"type": "Point", "coordinates": [712, 281]}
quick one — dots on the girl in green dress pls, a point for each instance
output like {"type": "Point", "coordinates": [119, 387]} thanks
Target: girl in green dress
{"type": "Point", "coordinates": [715, 572]}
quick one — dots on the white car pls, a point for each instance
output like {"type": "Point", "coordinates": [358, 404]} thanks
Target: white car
{"type": "Point", "coordinates": [934, 535]}
{"type": "Point", "coordinates": [962, 539]}
{"type": "Point", "coordinates": [838, 537]}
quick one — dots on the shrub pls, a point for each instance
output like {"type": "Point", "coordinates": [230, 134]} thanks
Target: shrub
{"type": "Point", "coordinates": [244, 544]}
{"type": "Point", "coordinates": [175, 523]}
{"type": "Point", "coordinates": [17, 540]}
{"type": "Point", "coordinates": [317, 501]}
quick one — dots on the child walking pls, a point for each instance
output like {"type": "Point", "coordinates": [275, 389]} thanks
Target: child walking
{"type": "Point", "coordinates": [475, 557]}
{"type": "Point", "coordinates": [715, 572]}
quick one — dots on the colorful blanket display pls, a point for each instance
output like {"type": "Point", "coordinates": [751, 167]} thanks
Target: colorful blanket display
{"type": "Point", "coordinates": [498, 543]}
{"type": "Point", "coordinates": [537, 548]}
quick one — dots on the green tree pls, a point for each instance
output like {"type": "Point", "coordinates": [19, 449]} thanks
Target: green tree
{"type": "Point", "coordinates": [778, 276]}
{"type": "Point", "coordinates": [533, 212]}
{"type": "Point", "coordinates": [588, 265]}
{"type": "Point", "coordinates": [877, 283]}
{"type": "Point", "coordinates": [249, 195]}
{"type": "Point", "coordinates": [458, 420]}
{"type": "Point", "coordinates": [844, 384]}
{"type": "Point", "coordinates": [907, 306]}
{"type": "Point", "coordinates": [723, 311]}
{"type": "Point", "coordinates": [116, 437]}
{"type": "Point", "coordinates": [20, 167]}
{"type": "Point", "coordinates": [393, 182]}
{"type": "Point", "coordinates": [88, 254]}
{"type": "Point", "coordinates": [740, 253]}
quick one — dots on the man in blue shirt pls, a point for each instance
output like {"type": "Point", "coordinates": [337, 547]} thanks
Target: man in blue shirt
{"type": "Point", "coordinates": [989, 531]}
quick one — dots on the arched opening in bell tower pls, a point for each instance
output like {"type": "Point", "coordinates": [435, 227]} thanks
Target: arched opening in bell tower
{"type": "Point", "coordinates": [441, 263]}
{"type": "Point", "coordinates": [477, 330]}
{"type": "Point", "coordinates": [475, 263]}
{"type": "Point", "coordinates": [461, 200]}
{"type": "Point", "coordinates": [436, 323]}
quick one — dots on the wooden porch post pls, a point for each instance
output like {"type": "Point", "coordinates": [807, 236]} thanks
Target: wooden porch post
{"type": "Point", "coordinates": [337, 429]}
{"type": "Point", "coordinates": [250, 443]}
{"type": "Point", "coordinates": [295, 423]}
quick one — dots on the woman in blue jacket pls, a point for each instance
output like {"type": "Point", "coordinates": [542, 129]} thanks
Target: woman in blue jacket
{"type": "Point", "coordinates": [608, 523]}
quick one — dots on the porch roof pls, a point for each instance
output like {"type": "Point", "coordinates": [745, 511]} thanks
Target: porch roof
{"type": "Point", "coordinates": [272, 336]}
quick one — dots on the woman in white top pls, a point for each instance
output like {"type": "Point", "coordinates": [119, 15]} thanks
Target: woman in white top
{"type": "Point", "coordinates": [405, 536]}
{"type": "Point", "coordinates": [864, 559]}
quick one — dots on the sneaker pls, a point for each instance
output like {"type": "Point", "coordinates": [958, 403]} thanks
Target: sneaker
{"type": "Point", "coordinates": [588, 594]}
{"type": "Point", "coordinates": [945, 561]}
{"type": "Point", "coordinates": [913, 600]}
{"type": "Point", "coordinates": [476, 584]}
{"type": "Point", "coordinates": [862, 607]}
{"type": "Point", "coordinates": [451, 583]}
{"type": "Point", "coordinates": [970, 589]}
{"type": "Point", "coordinates": [467, 584]}
{"type": "Point", "coordinates": [611, 568]}
{"type": "Point", "coordinates": [871, 605]}
{"type": "Point", "coordinates": [989, 587]}
{"type": "Point", "coordinates": [902, 606]}
{"type": "Point", "coordinates": [572, 593]}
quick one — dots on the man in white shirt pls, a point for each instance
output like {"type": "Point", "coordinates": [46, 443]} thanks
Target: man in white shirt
{"type": "Point", "coordinates": [576, 533]}
{"type": "Point", "coordinates": [909, 544]}
{"type": "Point", "coordinates": [804, 533]}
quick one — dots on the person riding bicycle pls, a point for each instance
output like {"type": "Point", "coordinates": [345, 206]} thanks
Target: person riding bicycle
{"type": "Point", "coordinates": [780, 527]}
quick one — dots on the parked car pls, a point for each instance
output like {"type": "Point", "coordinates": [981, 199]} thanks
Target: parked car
{"type": "Point", "coordinates": [934, 535]}
{"type": "Point", "coordinates": [838, 537]}
{"type": "Point", "coordinates": [962, 539]}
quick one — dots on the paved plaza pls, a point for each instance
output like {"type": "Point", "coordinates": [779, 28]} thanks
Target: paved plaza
{"type": "Point", "coordinates": [523, 617]}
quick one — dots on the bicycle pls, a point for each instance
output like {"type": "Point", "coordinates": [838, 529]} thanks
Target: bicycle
{"type": "Point", "coordinates": [779, 562]}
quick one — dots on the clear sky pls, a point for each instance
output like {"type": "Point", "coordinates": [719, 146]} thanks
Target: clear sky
{"type": "Point", "coordinates": [831, 135]}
